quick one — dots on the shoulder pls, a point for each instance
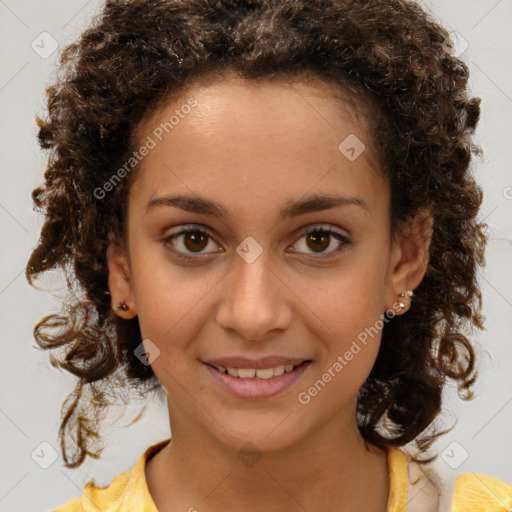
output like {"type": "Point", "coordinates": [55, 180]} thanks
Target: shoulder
{"type": "Point", "coordinates": [481, 492]}
{"type": "Point", "coordinates": [127, 491]}
{"type": "Point", "coordinates": [471, 492]}
{"type": "Point", "coordinates": [95, 498]}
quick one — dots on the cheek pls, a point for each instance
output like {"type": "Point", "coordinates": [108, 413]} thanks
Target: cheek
{"type": "Point", "coordinates": [165, 294]}
{"type": "Point", "coordinates": [170, 310]}
{"type": "Point", "coordinates": [349, 333]}
{"type": "Point", "coordinates": [172, 307]}
{"type": "Point", "coordinates": [345, 308]}
{"type": "Point", "coordinates": [346, 299]}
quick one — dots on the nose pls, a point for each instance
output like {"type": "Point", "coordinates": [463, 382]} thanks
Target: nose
{"type": "Point", "coordinates": [256, 302]}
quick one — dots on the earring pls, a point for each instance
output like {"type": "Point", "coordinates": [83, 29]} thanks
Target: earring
{"type": "Point", "coordinates": [123, 306]}
{"type": "Point", "coordinates": [407, 295]}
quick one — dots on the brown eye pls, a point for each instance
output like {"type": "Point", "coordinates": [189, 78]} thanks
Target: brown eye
{"type": "Point", "coordinates": [319, 239]}
{"type": "Point", "coordinates": [195, 240]}
{"type": "Point", "coordinates": [189, 242]}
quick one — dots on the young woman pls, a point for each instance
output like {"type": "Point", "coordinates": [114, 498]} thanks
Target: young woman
{"type": "Point", "coordinates": [266, 209]}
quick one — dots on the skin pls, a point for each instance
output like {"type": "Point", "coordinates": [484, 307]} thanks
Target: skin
{"type": "Point", "coordinates": [252, 147]}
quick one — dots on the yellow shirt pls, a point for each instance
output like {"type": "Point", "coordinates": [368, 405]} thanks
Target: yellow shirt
{"type": "Point", "coordinates": [128, 491]}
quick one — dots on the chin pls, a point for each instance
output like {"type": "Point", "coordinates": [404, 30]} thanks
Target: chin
{"type": "Point", "coordinates": [261, 437]}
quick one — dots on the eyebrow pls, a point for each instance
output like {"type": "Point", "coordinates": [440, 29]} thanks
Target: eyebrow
{"type": "Point", "coordinates": [204, 206]}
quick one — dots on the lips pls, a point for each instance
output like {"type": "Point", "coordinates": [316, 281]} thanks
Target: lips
{"type": "Point", "coordinates": [256, 387]}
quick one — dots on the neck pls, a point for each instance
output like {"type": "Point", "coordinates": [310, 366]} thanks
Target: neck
{"type": "Point", "coordinates": [332, 469]}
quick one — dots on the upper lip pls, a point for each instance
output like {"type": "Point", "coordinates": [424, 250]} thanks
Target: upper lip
{"type": "Point", "coordinates": [264, 362]}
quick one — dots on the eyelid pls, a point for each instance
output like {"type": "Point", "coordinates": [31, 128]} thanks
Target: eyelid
{"type": "Point", "coordinates": [327, 229]}
{"type": "Point", "coordinates": [342, 237]}
{"type": "Point", "coordinates": [184, 229]}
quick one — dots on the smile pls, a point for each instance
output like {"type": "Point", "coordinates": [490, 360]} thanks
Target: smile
{"type": "Point", "coordinates": [251, 383]}
{"type": "Point", "coordinates": [264, 373]}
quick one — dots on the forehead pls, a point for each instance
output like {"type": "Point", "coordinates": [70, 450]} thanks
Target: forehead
{"type": "Point", "coordinates": [266, 135]}
{"type": "Point", "coordinates": [266, 102]}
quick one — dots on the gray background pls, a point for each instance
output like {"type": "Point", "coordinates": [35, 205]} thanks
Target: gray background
{"type": "Point", "coordinates": [31, 391]}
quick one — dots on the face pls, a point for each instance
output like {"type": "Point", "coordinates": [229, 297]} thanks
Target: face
{"type": "Point", "coordinates": [288, 256]}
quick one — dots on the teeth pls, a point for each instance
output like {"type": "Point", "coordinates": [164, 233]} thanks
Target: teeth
{"type": "Point", "coordinates": [249, 373]}
{"type": "Point", "coordinates": [279, 370]}
{"type": "Point", "coordinates": [232, 371]}
{"type": "Point", "coordinates": [246, 373]}
{"type": "Point", "coordinates": [266, 373]}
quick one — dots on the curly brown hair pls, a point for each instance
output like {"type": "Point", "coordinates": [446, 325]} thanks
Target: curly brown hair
{"type": "Point", "coordinates": [390, 53]}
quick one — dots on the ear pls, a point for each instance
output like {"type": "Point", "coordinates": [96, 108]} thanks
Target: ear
{"type": "Point", "coordinates": [119, 281]}
{"type": "Point", "coordinates": [409, 258]}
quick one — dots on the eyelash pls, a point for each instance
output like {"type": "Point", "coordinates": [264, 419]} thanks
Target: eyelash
{"type": "Point", "coordinates": [315, 230]}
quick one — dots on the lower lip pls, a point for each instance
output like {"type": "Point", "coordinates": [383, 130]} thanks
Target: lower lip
{"type": "Point", "coordinates": [258, 388]}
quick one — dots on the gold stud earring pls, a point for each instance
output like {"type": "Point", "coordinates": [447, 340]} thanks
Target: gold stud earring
{"type": "Point", "coordinates": [407, 295]}
{"type": "Point", "coordinates": [123, 306]}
